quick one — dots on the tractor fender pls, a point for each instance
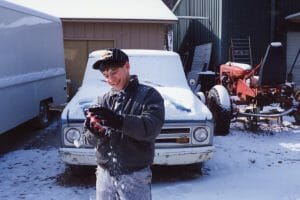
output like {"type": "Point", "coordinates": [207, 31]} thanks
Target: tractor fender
{"type": "Point", "coordinates": [219, 103]}
{"type": "Point", "coordinates": [224, 98]}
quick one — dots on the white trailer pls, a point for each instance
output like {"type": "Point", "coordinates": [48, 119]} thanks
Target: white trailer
{"type": "Point", "coordinates": [32, 68]}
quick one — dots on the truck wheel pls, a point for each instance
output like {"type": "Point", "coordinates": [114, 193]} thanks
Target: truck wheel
{"type": "Point", "coordinates": [220, 105]}
{"type": "Point", "coordinates": [43, 119]}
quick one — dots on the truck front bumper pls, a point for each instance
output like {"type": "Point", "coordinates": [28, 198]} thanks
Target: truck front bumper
{"type": "Point", "coordinates": [169, 156]}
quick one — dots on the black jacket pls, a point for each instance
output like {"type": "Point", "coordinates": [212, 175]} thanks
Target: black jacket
{"type": "Point", "coordinates": [132, 148]}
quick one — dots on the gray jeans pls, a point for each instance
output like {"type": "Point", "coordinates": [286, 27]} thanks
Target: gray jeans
{"type": "Point", "coordinates": [134, 186]}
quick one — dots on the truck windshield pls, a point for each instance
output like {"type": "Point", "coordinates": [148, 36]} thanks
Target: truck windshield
{"type": "Point", "coordinates": [159, 71]}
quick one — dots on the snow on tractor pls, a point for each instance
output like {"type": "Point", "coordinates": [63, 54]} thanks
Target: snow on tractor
{"type": "Point", "coordinates": [253, 94]}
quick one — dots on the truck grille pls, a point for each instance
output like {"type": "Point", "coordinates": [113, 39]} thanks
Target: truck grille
{"type": "Point", "coordinates": [177, 136]}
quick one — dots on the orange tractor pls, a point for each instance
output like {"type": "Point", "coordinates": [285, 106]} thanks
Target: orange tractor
{"type": "Point", "coordinates": [254, 94]}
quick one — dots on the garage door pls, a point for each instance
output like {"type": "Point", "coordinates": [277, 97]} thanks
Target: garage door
{"type": "Point", "coordinates": [293, 45]}
{"type": "Point", "coordinates": [76, 55]}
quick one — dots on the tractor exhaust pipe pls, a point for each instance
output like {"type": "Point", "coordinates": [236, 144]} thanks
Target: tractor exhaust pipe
{"type": "Point", "coordinates": [243, 114]}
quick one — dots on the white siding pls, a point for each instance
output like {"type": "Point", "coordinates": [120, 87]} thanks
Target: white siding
{"type": "Point", "coordinates": [293, 45]}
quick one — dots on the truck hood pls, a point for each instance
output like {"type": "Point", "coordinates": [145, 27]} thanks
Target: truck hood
{"type": "Point", "coordinates": [180, 104]}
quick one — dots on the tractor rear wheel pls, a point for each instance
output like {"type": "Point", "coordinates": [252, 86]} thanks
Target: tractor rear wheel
{"type": "Point", "coordinates": [297, 113]}
{"type": "Point", "coordinates": [220, 105]}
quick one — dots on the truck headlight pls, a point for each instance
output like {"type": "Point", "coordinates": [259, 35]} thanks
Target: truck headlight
{"type": "Point", "coordinates": [72, 134]}
{"type": "Point", "coordinates": [200, 134]}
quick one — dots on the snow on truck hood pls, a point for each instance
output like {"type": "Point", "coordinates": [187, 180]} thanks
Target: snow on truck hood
{"type": "Point", "coordinates": [180, 104]}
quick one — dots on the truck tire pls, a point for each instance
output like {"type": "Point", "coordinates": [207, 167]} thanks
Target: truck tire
{"type": "Point", "coordinates": [219, 103]}
{"type": "Point", "coordinates": [43, 118]}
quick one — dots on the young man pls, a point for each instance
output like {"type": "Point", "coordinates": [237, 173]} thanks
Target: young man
{"type": "Point", "coordinates": [125, 124]}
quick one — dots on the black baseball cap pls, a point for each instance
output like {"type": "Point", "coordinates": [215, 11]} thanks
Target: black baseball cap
{"type": "Point", "coordinates": [110, 58]}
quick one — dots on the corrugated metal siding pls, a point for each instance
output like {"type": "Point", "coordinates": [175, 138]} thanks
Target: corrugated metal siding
{"type": "Point", "coordinates": [246, 18]}
{"type": "Point", "coordinates": [181, 27]}
{"type": "Point", "coordinates": [227, 19]}
{"type": "Point", "coordinates": [189, 33]}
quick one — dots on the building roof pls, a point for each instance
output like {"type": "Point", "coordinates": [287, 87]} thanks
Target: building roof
{"type": "Point", "coordinates": [26, 10]}
{"type": "Point", "coordinates": [103, 10]}
{"type": "Point", "coordinates": [294, 17]}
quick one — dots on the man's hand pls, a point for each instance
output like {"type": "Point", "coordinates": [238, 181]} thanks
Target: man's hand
{"type": "Point", "coordinates": [94, 124]}
{"type": "Point", "coordinates": [110, 118]}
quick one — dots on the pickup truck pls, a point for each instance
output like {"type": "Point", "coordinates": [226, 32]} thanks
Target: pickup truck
{"type": "Point", "coordinates": [187, 133]}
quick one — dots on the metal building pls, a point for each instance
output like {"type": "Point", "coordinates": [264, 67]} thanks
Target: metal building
{"type": "Point", "coordinates": [225, 20]}
{"type": "Point", "coordinates": [96, 24]}
{"type": "Point", "coordinates": [293, 46]}
{"type": "Point", "coordinates": [287, 30]}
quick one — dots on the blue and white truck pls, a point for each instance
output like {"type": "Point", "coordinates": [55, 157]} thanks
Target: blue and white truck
{"type": "Point", "coordinates": [187, 134]}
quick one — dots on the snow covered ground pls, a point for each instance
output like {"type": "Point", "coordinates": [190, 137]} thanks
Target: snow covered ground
{"type": "Point", "coordinates": [262, 166]}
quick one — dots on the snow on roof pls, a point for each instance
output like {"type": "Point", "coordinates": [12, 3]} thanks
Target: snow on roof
{"type": "Point", "coordinates": [27, 10]}
{"type": "Point", "coordinates": [141, 52]}
{"type": "Point", "coordinates": [112, 10]}
{"type": "Point", "coordinates": [295, 16]}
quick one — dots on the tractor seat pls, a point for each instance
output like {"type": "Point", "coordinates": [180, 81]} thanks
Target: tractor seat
{"type": "Point", "coordinates": [273, 67]}
{"type": "Point", "coordinates": [242, 66]}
